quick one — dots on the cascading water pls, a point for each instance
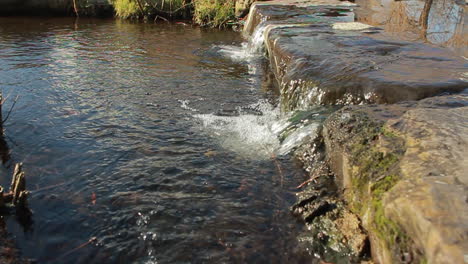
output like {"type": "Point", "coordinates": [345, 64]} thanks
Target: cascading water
{"type": "Point", "coordinates": [249, 50]}
{"type": "Point", "coordinates": [258, 136]}
{"type": "Point", "coordinates": [250, 135]}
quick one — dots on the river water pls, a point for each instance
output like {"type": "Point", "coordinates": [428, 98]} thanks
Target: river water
{"type": "Point", "coordinates": [144, 143]}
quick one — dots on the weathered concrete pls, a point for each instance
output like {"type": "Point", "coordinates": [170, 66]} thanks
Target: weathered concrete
{"type": "Point", "coordinates": [318, 60]}
{"type": "Point", "coordinates": [408, 163]}
{"type": "Point", "coordinates": [400, 166]}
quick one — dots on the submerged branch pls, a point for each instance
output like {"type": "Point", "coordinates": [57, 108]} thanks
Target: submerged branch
{"type": "Point", "coordinates": [11, 109]}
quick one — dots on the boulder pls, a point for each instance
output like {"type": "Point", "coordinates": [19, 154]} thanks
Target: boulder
{"type": "Point", "coordinates": [403, 171]}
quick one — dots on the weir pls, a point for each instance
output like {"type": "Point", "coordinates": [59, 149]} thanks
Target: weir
{"type": "Point", "coordinates": [173, 143]}
{"type": "Point", "coordinates": [377, 152]}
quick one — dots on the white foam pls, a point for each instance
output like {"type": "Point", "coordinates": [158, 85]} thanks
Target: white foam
{"type": "Point", "coordinates": [248, 135]}
{"type": "Point", "coordinates": [256, 136]}
{"type": "Point", "coordinates": [236, 53]}
{"type": "Point", "coordinates": [248, 50]}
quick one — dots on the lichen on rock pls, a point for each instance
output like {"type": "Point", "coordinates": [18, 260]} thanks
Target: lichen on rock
{"type": "Point", "coordinates": [402, 170]}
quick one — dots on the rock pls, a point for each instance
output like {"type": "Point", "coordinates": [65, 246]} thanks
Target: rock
{"type": "Point", "coordinates": [403, 171]}
{"type": "Point", "coordinates": [445, 24]}
{"type": "Point", "coordinates": [317, 61]}
{"type": "Point", "coordinates": [297, 12]}
{"type": "Point", "coordinates": [334, 232]}
{"type": "Point", "coordinates": [431, 199]}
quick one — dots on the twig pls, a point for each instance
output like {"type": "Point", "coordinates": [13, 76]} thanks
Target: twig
{"type": "Point", "coordinates": [6, 98]}
{"type": "Point", "coordinates": [140, 7]}
{"type": "Point", "coordinates": [308, 181]}
{"type": "Point", "coordinates": [162, 18]}
{"type": "Point", "coordinates": [50, 187]}
{"type": "Point", "coordinates": [11, 108]}
{"type": "Point", "coordinates": [172, 11]}
{"type": "Point", "coordinates": [91, 240]}
{"type": "Point", "coordinates": [75, 8]}
{"type": "Point", "coordinates": [424, 18]}
{"type": "Point", "coordinates": [280, 171]}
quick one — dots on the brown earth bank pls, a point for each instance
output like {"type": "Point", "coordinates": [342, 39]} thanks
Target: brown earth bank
{"type": "Point", "coordinates": [387, 176]}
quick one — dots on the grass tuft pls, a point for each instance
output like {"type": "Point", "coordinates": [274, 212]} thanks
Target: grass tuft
{"type": "Point", "coordinates": [125, 8]}
{"type": "Point", "coordinates": [214, 13]}
{"type": "Point", "coordinates": [151, 8]}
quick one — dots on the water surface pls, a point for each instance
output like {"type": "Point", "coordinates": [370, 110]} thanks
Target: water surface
{"type": "Point", "coordinates": [116, 125]}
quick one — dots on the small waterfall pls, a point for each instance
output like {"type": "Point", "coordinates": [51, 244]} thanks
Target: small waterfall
{"type": "Point", "coordinates": [298, 137]}
{"type": "Point", "coordinates": [252, 135]}
{"type": "Point", "coordinates": [248, 131]}
{"type": "Point", "coordinates": [249, 50]}
{"type": "Point", "coordinates": [255, 44]}
{"type": "Point", "coordinates": [260, 131]}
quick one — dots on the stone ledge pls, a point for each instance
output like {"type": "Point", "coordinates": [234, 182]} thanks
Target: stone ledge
{"type": "Point", "coordinates": [403, 168]}
{"type": "Point", "coordinates": [317, 59]}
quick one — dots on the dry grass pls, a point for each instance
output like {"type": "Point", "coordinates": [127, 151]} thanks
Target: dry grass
{"type": "Point", "coordinates": [214, 13]}
{"type": "Point", "coordinates": [151, 8]}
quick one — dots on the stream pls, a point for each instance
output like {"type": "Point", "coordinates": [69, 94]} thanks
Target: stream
{"type": "Point", "coordinates": [145, 143]}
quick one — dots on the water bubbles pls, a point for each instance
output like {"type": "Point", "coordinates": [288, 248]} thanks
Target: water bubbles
{"type": "Point", "coordinates": [185, 105]}
{"type": "Point", "coordinates": [149, 236]}
{"type": "Point", "coordinates": [247, 51]}
{"type": "Point", "coordinates": [248, 133]}
{"type": "Point", "coordinates": [142, 219]}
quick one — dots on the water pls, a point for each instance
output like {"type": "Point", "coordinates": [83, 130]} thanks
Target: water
{"type": "Point", "coordinates": [119, 129]}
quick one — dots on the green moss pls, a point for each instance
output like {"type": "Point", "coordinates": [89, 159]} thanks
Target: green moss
{"type": "Point", "coordinates": [386, 132]}
{"type": "Point", "coordinates": [375, 172]}
{"type": "Point", "coordinates": [382, 186]}
{"type": "Point", "coordinates": [387, 230]}
{"type": "Point", "coordinates": [214, 13]}
{"type": "Point", "coordinates": [371, 168]}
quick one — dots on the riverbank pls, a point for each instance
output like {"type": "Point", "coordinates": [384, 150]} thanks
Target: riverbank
{"type": "Point", "coordinates": [398, 163]}
{"type": "Point", "coordinates": [218, 13]}
{"type": "Point", "coordinates": [382, 172]}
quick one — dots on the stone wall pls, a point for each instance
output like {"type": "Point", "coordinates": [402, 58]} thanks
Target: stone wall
{"type": "Point", "coordinates": [403, 171]}
{"type": "Point", "coordinates": [399, 164]}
